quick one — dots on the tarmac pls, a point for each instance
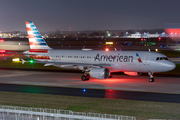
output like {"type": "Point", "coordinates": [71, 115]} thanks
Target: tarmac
{"type": "Point", "coordinates": [170, 85]}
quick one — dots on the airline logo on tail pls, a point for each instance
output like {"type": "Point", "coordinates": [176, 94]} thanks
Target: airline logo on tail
{"type": "Point", "coordinates": [35, 39]}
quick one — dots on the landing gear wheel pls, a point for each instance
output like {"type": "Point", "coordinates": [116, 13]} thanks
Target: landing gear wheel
{"type": "Point", "coordinates": [85, 77]}
{"type": "Point", "coordinates": [151, 79]}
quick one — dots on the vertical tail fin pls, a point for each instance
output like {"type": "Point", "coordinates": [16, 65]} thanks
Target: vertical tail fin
{"type": "Point", "coordinates": [35, 39]}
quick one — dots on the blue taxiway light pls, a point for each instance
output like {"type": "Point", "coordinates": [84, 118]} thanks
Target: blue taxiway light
{"type": "Point", "coordinates": [84, 90]}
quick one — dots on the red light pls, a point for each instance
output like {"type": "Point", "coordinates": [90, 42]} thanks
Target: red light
{"type": "Point", "coordinates": [141, 39]}
{"type": "Point", "coordinates": [107, 49]}
{"type": "Point", "coordinates": [159, 38]}
{"type": "Point", "coordinates": [1, 40]}
{"type": "Point", "coordinates": [2, 51]}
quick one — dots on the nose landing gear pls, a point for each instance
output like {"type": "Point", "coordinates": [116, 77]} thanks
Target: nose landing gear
{"type": "Point", "coordinates": [151, 79]}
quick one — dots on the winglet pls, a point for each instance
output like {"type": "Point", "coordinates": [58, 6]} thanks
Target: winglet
{"type": "Point", "coordinates": [23, 61]}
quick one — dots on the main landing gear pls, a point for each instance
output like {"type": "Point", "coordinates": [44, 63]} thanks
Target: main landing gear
{"type": "Point", "coordinates": [85, 77]}
{"type": "Point", "coordinates": [151, 79]}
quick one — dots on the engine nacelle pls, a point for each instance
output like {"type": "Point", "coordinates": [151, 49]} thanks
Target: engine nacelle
{"type": "Point", "coordinates": [99, 73]}
{"type": "Point", "coordinates": [133, 73]}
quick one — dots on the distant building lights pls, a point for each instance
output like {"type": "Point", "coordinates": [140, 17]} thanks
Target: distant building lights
{"type": "Point", "coordinates": [109, 43]}
{"type": "Point", "coordinates": [2, 51]}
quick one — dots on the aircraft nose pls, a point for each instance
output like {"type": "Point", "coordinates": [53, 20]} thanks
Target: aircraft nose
{"type": "Point", "coordinates": [170, 66]}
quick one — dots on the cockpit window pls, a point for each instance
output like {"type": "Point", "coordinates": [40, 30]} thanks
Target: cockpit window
{"type": "Point", "coordinates": [165, 58]}
{"type": "Point", "coordinates": [161, 58]}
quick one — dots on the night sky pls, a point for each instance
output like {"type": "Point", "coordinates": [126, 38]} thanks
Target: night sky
{"type": "Point", "coordinates": [49, 15]}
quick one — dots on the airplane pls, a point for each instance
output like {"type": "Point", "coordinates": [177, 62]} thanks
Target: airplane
{"type": "Point", "coordinates": [98, 64]}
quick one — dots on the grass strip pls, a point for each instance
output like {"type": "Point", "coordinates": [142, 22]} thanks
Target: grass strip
{"type": "Point", "coordinates": [140, 109]}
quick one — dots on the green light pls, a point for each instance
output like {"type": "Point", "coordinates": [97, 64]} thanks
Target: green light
{"type": "Point", "coordinates": [31, 61]}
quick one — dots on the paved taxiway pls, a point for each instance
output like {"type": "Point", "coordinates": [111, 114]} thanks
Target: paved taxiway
{"type": "Point", "coordinates": [118, 82]}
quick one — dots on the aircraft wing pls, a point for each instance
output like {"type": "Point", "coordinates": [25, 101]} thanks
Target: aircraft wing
{"type": "Point", "coordinates": [68, 63]}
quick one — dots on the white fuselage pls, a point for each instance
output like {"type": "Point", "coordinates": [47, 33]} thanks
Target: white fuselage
{"type": "Point", "coordinates": [125, 61]}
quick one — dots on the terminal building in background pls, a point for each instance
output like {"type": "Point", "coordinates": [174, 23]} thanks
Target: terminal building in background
{"type": "Point", "coordinates": [169, 31]}
{"type": "Point", "coordinates": [172, 30]}
{"type": "Point", "coordinates": [144, 35]}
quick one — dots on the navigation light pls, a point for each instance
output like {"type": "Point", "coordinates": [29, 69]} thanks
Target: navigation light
{"type": "Point", "coordinates": [31, 61]}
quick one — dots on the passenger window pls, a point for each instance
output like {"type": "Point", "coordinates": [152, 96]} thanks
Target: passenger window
{"type": "Point", "coordinates": [157, 58]}
{"type": "Point", "coordinates": [161, 58]}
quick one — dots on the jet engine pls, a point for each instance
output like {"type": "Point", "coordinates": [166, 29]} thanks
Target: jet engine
{"type": "Point", "coordinates": [133, 73]}
{"type": "Point", "coordinates": [99, 73]}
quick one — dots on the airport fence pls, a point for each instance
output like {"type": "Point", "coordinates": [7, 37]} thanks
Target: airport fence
{"type": "Point", "coordinates": [26, 113]}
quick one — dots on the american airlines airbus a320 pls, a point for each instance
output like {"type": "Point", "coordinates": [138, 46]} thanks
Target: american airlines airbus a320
{"type": "Point", "coordinates": [96, 63]}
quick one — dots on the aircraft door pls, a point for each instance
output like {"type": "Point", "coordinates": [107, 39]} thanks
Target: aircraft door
{"type": "Point", "coordinates": [146, 58]}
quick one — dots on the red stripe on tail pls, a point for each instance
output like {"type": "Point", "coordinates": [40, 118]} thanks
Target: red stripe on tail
{"type": "Point", "coordinates": [28, 29]}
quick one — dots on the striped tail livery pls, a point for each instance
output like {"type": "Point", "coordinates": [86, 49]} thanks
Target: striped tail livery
{"type": "Point", "coordinates": [35, 39]}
